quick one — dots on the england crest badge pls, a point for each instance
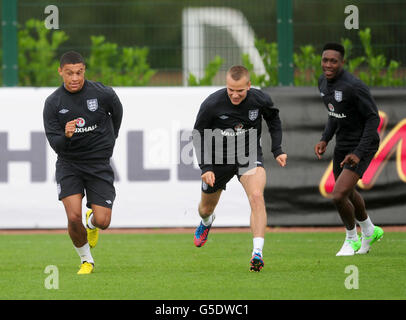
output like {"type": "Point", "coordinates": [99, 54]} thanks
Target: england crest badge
{"type": "Point", "coordinates": [338, 95]}
{"type": "Point", "coordinates": [253, 114]}
{"type": "Point", "coordinates": [92, 104]}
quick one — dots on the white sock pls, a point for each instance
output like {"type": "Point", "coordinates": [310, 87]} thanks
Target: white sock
{"type": "Point", "coordinates": [367, 227]}
{"type": "Point", "coordinates": [258, 243]}
{"type": "Point", "coordinates": [351, 234]}
{"type": "Point", "coordinates": [208, 221]}
{"type": "Point", "coordinates": [84, 253]}
{"type": "Point", "coordinates": [89, 222]}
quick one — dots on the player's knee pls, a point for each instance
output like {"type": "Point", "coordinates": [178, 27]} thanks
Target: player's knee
{"type": "Point", "coordinates": [206, 209]}
{"type": "Point", "coordinates": [256, 199]}
{"type": "Point", "coordinates": [102, 222]}
{"type": "Point", "coordinates": [75, 218]}
{"type": "Point", "coordinates": [354, 196]}
{"type": "Point", "coordinates": [339, 196]}
{"type": "Point", "coordinates": [105, 225]}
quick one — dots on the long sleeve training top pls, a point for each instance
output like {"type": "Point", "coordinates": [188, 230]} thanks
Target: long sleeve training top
{"type": "Point", "coordinates": [217, 114]}
{"type": "Point", "coordinates": [352, 114]}
{"type": "Point", "coordinates": [98, 111]}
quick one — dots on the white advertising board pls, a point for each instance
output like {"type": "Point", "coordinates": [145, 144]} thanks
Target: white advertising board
{"type": "Point", "coordinates": [156, 186]}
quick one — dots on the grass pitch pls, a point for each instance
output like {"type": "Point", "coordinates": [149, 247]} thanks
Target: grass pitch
{"type": "Point", "coordinates": [168, 267]}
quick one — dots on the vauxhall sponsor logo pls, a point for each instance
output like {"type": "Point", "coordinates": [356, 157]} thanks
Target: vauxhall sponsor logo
{"type": "Point", "coordinates": [86, 129]}
{"type": "Point", "coordinates": [334, 114]}
{"type": "Point", "coordinates": [80, 126]}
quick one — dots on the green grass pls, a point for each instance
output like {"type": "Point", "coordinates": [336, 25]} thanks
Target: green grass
{"type": "Point", "coordinates": [169, 267]}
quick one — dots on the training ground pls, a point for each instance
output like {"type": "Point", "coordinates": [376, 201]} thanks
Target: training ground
{"type": "Point", "coordinates": [164, 264]}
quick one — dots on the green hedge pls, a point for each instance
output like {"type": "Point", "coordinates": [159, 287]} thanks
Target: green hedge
{"type": "Point", "coordinates": [38, 61]}
{"type": "Point", "coordinates": [114, 66]}
{"type": "Point", "coordinates": [371, 68]}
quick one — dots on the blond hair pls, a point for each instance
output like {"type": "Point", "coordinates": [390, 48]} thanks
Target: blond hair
{"type": "Point", "coordinates": [237, 72]}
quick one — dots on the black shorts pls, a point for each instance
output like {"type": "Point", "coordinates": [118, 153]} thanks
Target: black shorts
{"type": "Point", "coordinates": [359, 169]}
{"type": "Point", "coordinates": [223, 173]}
{"type": "Point", "coordinates": [96, 179]}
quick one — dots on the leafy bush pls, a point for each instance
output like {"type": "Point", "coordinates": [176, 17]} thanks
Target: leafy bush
{"type": "Point", "coordinates": [210, 72]}
{"type": "Point", "coordinates": [128, 66]}
{"type": "Point", "coordinates": [125, 67]}
{"type": "Point", "coordinates": [37, 48]}
{"type": "Point", "coordinates": [378, 73]}
{"type": "Point", "coordinates": [38, 62]}
{"type": "Point", "coordinates": [371, 68]}
{"type": "Point", "coordinates": [351, 64]}
{"type": "Point", "coordinates": [308, 67]}
{"type": "Point", "coordinates": [269, 54]}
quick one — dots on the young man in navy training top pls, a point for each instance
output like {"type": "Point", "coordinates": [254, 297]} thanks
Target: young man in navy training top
{"type": "Point", "coordinates": [82, 119]}
{"type": "Point", "coordinates": [353, 118]}
{"type": "Point", "coordinates": [226, 138]}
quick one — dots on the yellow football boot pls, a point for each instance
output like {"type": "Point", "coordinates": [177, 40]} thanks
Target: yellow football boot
{"type": "Point", "coordinates": [92, 234]}
{"type": "Point", "coordinates": [86, 268]}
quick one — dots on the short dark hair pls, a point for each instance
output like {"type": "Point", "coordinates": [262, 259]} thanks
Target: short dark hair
{"type": "Point", "coordinates": [71, 57]}
{"type": "Point", "coordinates": [237, 72]}
{"type": "Point", "coordinates": [336, 47]}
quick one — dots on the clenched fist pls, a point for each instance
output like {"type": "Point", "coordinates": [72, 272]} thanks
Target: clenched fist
{"type": "Point", "coordinates": [209, 178]}
{"type": "Point", "coordinates": [70, 128]}
{"type": "Point", "coordinates": [281, 159]}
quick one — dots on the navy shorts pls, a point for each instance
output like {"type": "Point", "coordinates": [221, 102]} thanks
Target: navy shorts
{"type": "Point", "coordinates": [359, 169]}
{"type": "Point", "coordinates": [94, 179]}
{"type": "Point", "coordinates": [223, 173]}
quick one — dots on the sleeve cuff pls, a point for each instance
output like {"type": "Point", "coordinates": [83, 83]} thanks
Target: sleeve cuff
{"type": "Point", "coordinates": [277, 152]}
{"type": "Point", "coordinates": [206, 168]}
{"type": "Point", "coordinates": [358, 153]}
